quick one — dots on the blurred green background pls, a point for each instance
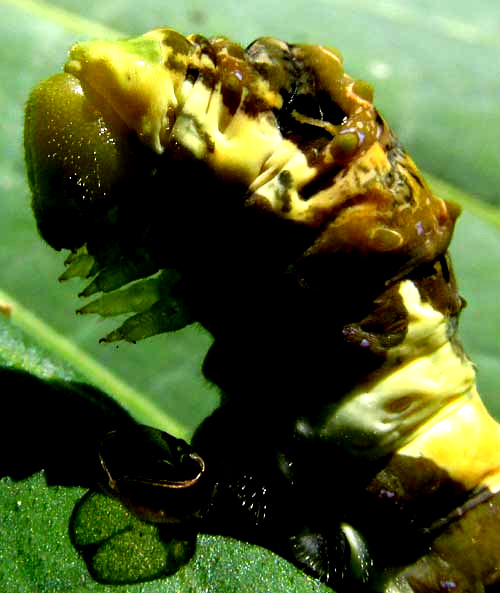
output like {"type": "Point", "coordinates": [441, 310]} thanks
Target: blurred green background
{"type": "Point", "coordinates": [436, 71]}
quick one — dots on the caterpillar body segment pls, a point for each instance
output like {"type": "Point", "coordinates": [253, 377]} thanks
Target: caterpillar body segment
{"type": "Point", "coordinates": [259, 193]}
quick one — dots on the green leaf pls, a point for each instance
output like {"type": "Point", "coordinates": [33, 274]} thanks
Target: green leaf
{"type": "Point", "coordinates": [435, 72]}
{"type": "Point", "coordinates": [36, 553]}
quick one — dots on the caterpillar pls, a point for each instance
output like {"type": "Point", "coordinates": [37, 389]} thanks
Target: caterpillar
{"type": "Point", "coordinates": [259, 193]}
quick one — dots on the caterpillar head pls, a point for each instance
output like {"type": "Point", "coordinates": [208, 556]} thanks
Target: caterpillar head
{"type": "Point", "coordinates": [167, 157]}
{"type": "Point", "coordinates": [80, 141]}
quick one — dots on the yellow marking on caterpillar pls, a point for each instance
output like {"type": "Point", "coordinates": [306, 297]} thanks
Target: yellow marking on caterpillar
{"type": "Point", "coordinates": [131, 78]}
{"type": "Point", "coordinates": [424, 379]}
{"type": "Point", "coordinates": [363, 174]}
{"type": "Point", "coordinates": [427, 329]}
{"type": "Point", "coordinates": [236, 153]}
{"type": "Point", "coordinates": [464, 440]}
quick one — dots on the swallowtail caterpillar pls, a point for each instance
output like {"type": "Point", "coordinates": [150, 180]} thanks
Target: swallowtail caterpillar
{"type": "Point", "coordinates": [259, 193]}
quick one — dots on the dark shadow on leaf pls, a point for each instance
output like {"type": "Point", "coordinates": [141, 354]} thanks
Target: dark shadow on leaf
{"type": "Point", "coordinates": [58, 426]}
{"type": "Point", "coordinates": [54, 425]}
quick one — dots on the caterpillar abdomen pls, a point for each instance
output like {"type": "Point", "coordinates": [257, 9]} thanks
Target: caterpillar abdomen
{"type": "Point", "coordinates": [260, 193]}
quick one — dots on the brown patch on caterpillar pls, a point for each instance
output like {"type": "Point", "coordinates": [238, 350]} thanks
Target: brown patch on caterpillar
{"type": "Point", "coordinates": [176, 50]}
{"type": "Point", "coordinates": [401, 503]}
{"type": "Point", "coordinates": [233, 72]}
{"type": "Point", "coordinates": [382, 239]}
{"type": "Point", "coordinates": [272, 61]}
{"type": "Point", "coordinates": [414, 490]}
{"type": "Point", "coordinates": [437, 286]}
{"type": "Point", "coordinates": [175, 44]}
{"type": "Point", "coordinates": [283, 195]}
{"type": "Point", "coordinates": [464, 557]}
{"type": "Point", "coordinates": [384, 327]}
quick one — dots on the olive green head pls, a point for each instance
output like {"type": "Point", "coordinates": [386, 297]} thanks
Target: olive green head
{"type": "Point", "coordinates": [75, 158]}
{"type": "Point", "coordinates": [85, 132]}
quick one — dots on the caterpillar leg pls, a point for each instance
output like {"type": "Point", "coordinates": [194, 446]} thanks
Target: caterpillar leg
{"type": "Point", "coordinates": [166, 483]}
{"type": "Point", "coordinates": [158, 476]}
{"type": "Point", "coordinates": [254, 501]}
